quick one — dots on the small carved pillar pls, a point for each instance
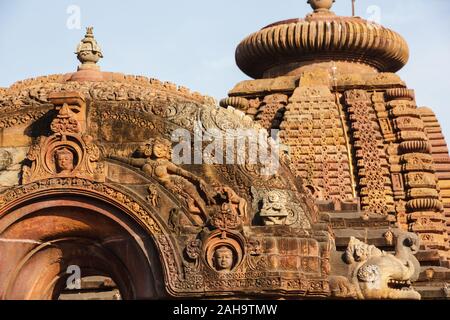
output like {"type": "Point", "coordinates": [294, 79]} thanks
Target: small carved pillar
{"type": "Point", "coordinates": [424, 208]}
{"type": "Point", "coordinates": [373, 172]}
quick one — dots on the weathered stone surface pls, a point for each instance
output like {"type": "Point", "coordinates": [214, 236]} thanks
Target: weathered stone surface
{"type": "Point", "coordinates": [87, 177]}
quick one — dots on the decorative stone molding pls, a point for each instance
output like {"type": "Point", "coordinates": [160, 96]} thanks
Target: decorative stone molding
{"type": "Point", "coordinates": [373, 172]}
{"type": "Point", "coordinates": [302, 41]}
{"type": "Point", "coordinates": [314, 131]}
{"type": "Point", "coordinates": [418, 170]}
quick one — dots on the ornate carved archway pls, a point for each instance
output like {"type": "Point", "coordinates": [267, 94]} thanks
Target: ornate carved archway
{"type": "Point", "coordinates": [52, 224]}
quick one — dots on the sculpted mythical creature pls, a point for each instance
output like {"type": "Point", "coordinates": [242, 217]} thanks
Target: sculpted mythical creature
{"type": "Point", "coordinates": [376, 274]}
{"type": "Point", "coordinates": [155, 160]}
{"type": "Point", "coordinates": [274, 211]}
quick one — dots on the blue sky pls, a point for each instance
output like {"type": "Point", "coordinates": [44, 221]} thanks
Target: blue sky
{"type": "Point", "coordinates": [192, 43]}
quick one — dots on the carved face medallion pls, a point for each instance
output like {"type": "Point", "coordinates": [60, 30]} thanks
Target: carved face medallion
{"type": "Point", "coordinates": [223, 259]}
{"type": "Point", "coordinates": [223, 251]}
{"type": "Point", "coordinates": [64, 160]}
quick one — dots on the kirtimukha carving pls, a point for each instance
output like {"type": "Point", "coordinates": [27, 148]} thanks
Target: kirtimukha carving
{"type": "Point", "coordinates": [277, 208]}
{"type": "Point", "coordinates": [274, 210]}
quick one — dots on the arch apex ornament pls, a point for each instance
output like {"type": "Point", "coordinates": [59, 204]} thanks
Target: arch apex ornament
{"type": "Point", "coordinates": [321, 5]}
{"type": "Point", "coordinates": [88, 51]}
{"type": "Point", "coordinates": [68, 152]}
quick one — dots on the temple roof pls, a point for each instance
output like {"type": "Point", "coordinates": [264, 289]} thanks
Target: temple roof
{"type": "Point", "coordinates": [96, 84]}
{"type": "Point", "coordinates": [321, 36]}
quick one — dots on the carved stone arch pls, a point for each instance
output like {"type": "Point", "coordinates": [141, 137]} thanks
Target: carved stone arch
{"type": "Point", "coordinates": [54, 217]}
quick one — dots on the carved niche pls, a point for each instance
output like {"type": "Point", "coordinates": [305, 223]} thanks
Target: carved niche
{"type": "Point", "coordinates": [69, 151]}
{"type": "Point", "coordinates": [224, 251]}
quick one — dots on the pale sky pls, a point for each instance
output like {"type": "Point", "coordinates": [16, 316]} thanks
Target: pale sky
{"type": "Point", "coordinates": [192, 43]}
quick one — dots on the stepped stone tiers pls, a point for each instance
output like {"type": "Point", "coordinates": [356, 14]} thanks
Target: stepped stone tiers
{"type": "Point", "coordinates": [285, 47]}
{"type": "Point", "coordinates": [356, 136]}
{"type": "Point", "coordinates": [90, 185]}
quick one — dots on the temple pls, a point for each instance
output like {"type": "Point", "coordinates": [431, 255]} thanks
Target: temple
{"type": "Point", "coordinates": [96, 204]}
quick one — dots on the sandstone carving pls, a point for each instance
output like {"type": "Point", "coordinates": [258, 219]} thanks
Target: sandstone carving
{"type": "Point", "coordinates": [156, 162]}
{"type": "Point", "coordinates": [274, 210]}
{"type": "Point", "coordinates": [224, 251]}
{"type": "Point", "coordinates": [5, 159]}
{"type": "Point", "coordinates": [67, 152]}
{"type": "Point", "coordinates": [277, 208]}
{"type": "Point", "coordinates": [380, 275]}
{"type": "Point", "coordinates": [356, 159]}
{"type": "Point", "coordinates": [88, 51]}
{"type": "Point", "coordinates": [223, 259]}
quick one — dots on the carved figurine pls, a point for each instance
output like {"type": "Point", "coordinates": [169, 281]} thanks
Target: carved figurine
{"type": "Point", "coordinates": [156, 162]}
{"type": "Point", "coordinates": [153, 196]}
{"type": "Point", "coordinates": [274, 210]}
{"type": "Point", "coordinates": [174, 220]}
{"type": "Point", "coordinates": [237, 204]}
{"type": "Point", "coordinates": [380, 275]}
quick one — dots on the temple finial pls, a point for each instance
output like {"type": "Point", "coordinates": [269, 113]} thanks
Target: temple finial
{"type": "Point", "coordinates": [88, 51]}
{"type": "Point", "coordinates": [321, 5]}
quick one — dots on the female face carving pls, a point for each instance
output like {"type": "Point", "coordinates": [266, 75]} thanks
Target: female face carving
{"type": "Point", "coordinates": [64, 160]}
{"type": "Point", "coordinates": [160, 150]}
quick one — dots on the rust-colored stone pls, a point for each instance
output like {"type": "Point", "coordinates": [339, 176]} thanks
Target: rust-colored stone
{"type": "Point", "coordinates": [87, 177]}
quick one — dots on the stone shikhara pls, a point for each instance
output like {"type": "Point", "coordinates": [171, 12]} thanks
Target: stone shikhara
{"type": "Point", "coordinates": [88, 178]}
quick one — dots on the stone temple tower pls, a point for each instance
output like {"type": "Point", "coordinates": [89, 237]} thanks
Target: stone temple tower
{"type": "Point", "coordinates": [357, 207]}
{"type": "Point", "coordinates": [355, 133]}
